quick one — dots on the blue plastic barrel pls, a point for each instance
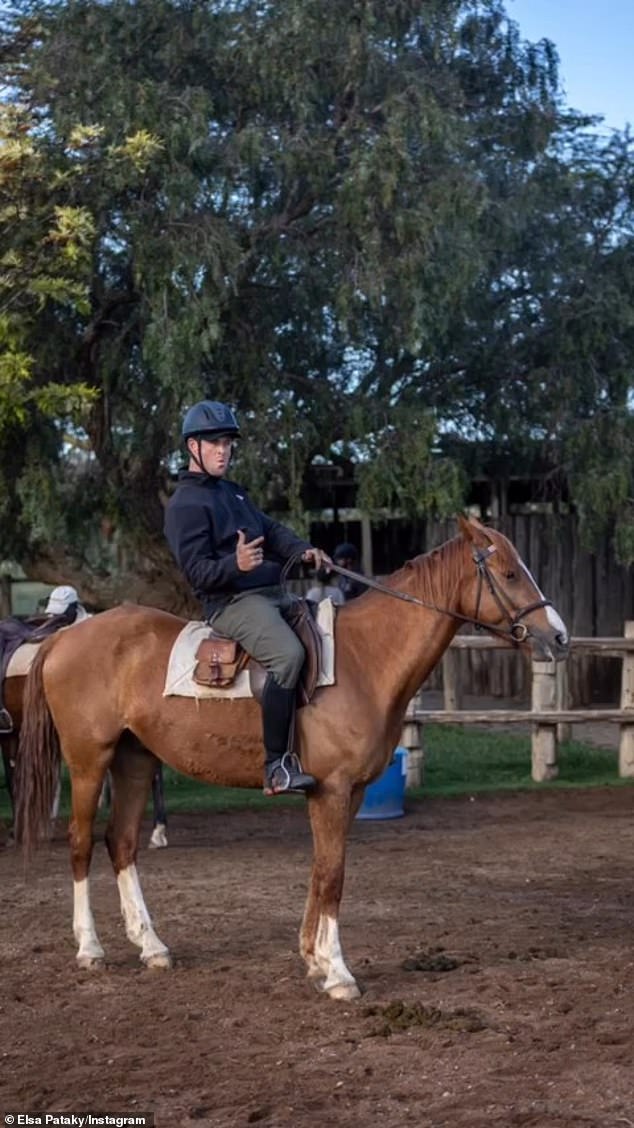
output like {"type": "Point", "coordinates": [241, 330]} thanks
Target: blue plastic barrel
{"type": "Point", "coordinates": [384, 798]}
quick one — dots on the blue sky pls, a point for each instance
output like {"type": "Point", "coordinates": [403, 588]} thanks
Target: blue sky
{"type": "Point", "coordinates": [595, 44]}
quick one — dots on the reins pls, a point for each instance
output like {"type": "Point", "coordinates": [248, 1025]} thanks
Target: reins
{"type": "Point", "coordinates": [517, 632]}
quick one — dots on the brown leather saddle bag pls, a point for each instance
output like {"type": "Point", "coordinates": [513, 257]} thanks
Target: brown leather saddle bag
{"type": "Point", "coordinates": [219, 660]}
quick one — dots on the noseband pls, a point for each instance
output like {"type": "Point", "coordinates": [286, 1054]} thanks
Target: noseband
{"type": "Point", "coordinates": [517, 630]}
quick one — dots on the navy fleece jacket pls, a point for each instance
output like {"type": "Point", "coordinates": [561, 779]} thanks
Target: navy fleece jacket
{"type": "Point", "coordinates": [202, 519]}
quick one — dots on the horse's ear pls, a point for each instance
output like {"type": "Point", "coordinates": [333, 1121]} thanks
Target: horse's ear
{"type": "Point", "coordinates": [473, 531]}
{"type": "Point", "coordinates": [465, 527]}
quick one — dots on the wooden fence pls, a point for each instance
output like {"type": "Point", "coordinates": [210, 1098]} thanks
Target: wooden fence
{"type": "Point", "coordinates": [549, 715]}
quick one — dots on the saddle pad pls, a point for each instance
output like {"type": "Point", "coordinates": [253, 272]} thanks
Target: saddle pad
{"type": "Point", "coordinates": [21, 660]}
{"type": "Point", "coordinates": [180, 683]}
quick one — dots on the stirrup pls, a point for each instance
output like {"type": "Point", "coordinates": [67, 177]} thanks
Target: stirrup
{"type": "Point", "coordinates": [6, 721]}
{"type": "Point", "coordinates": [285, 777]}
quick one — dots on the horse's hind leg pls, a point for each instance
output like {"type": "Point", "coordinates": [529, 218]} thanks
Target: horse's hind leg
{"type": "Point", "coordinates": [320, 947]}
{"type": "Point", "coordinates": [132, 770]}
{"type": "Point", "coordinates": [84, 796]}
{"type": "Point", "coordinates": [158, 838]}
{"type": "Point", "coordinates": [8, 746]}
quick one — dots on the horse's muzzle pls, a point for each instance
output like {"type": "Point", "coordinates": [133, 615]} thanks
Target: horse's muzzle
{"type": "Point", "coordinates": [550, 646]}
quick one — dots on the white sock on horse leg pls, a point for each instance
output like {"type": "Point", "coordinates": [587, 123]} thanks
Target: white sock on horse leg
{"type": "Point", "coordinates": [90, 951]}
{"type": "Point", "coordinates": [138, 926]}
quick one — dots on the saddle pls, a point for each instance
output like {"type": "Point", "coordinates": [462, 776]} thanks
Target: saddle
{"type": "Point", "coordinates": [13, 633]}
{"type": "Point", "coordinates": [219, 660]}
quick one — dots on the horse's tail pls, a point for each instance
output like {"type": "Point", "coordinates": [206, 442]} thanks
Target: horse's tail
{"type": "Point", "coordinates": [38, 761]}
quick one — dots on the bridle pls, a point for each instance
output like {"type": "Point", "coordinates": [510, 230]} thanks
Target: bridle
{"type": "Point", "coordinates": [516, 631]}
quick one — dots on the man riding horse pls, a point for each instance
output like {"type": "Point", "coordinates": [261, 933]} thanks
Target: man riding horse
{"type": "Point", "coordinates": [231, 554]}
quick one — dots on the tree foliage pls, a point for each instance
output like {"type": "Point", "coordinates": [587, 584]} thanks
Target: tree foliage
{"type": "Point", "coordinates": [365, 225]}
{"type": "Point", "coordinates": [45, 262]}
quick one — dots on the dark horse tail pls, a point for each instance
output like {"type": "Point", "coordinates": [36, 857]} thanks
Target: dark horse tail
{"type": "Point", "coordinates": [38, 761]}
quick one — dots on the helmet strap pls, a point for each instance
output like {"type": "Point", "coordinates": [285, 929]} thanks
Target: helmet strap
{"type": "Point", "coordinates": [198, 456]}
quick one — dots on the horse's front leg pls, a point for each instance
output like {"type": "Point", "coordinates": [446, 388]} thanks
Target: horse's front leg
{"type": "Point", "coordinates": [330, 814]}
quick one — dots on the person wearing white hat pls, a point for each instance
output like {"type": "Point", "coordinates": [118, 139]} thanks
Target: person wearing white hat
{"type": "Point", "coordinates": [63, 609]}
{"type": "Point", "coordinates": [61, 599]}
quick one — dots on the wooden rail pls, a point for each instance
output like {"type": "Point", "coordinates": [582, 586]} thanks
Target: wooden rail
{"type": "Point", "coordinates": [519, 716]}
{"type": "Point", "coordinates": [549, 718]}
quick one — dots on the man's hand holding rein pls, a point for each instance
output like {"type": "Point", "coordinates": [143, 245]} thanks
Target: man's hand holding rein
{"type": "Point", "coordinates": [318, 557]}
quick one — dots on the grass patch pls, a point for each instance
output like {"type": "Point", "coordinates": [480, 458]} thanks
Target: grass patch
{"type": "Point", "coordinates": [185, 794]}
{"type": "Point", "coordinates": [458, 761]}
{"type": "Point", "coordinates": [461, 760]}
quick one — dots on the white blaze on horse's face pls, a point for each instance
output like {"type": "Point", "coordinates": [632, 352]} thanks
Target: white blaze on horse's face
{"type": "Point", "coordinates": [554, 619]}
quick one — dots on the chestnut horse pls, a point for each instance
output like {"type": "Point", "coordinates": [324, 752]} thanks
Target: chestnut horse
{"type": "Point", "coordinates": [98, 691]}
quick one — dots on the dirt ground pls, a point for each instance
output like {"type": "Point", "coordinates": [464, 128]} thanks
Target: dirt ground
{"type": "Point", "coordinates": [493, 937]}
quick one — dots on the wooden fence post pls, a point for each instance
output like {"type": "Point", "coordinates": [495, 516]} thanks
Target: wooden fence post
{"type": "Point", "coordinates": [411, 738]}
{"type": "Point", "coordinates": [5, 596]}
{"type": "Point", "coordinates": [562, 694]}
{"type": "Point", "coordinates": [626, 742]}
{"type": "Point", "coordinates": [451, 688]}
{"type": "Point", "coordinates": [366, 545]}
{"type": "Point", "coordinates": [544, 738]}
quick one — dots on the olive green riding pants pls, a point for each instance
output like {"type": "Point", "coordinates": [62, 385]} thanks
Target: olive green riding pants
{"type": "Point", "coordinates": [257, 620]}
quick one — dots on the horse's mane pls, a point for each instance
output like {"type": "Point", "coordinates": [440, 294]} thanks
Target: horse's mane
{"type": "Point", "coordinates": [437, 573]}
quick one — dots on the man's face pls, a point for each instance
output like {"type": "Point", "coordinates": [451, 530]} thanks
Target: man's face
{"type": "Point", "coordinates": [345, 561]}
{"type": "Point", "coordinates": [215, 454]}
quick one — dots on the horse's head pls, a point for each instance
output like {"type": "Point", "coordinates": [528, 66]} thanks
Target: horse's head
{"type": "Point", "coordinates": [501, 593]}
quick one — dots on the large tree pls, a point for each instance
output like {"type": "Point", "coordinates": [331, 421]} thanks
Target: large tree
{"type": "Point", "coordinates": [346, 218]}
{"type": "Point", "coordinates": [541, 363]}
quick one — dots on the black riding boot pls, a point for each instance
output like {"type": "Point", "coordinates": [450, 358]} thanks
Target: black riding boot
{"type": "Point", "coordinates": [282, 769]}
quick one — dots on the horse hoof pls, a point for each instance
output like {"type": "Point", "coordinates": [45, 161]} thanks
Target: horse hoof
{"type": "Point", "coordinates": [158, 839]}
{"type": "Point", "coordinates": [344, 991]}
{"type": "Point", "coordinates": [162, 961]}
{"type": "Point", "coordinates": [91, 963]}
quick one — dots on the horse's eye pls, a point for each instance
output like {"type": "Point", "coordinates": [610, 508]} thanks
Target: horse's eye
{"type": "Point", "coordinates": [510, 575]}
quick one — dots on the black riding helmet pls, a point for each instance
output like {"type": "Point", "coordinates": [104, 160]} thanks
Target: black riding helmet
{"type": "Point", "coordinates": [210, 420]}
{"type": "Point", "coordinates": [345, 552]}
